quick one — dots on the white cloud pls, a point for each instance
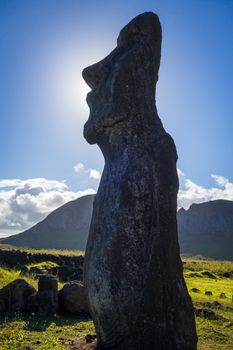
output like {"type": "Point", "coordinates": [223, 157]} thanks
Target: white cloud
{"type": "Point", "coordinates": [180, 172]}
{"type": "Point", "coordinates": [94, 174]}
{"type": "Point", "coordinates": [44, 184]}
{"type": "Point", "coordinates": [220, 180]}
{"type": "Point", "coordinates": [78, 167]}
{"type": "Point", "coordinates": [194, 193]}
{"type": "Point", "coordinates": [10, 183]}
{"type": "Point", "coordinates": [26, 202]}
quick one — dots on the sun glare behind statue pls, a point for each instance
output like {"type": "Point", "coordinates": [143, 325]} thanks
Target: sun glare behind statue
{"type": "Point", "coordinates": [66, 90]}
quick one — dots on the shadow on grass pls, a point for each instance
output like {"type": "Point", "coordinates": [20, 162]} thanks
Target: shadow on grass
{"type": "Point", "coordinates": [41, 323]}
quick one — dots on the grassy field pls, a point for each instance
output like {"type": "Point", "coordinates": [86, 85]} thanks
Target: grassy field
{"type": "Point", "coordinates": [212, 297]}
{"type": "Point", "coordinates": [211, 293]}
{"type": "Point", "coordinates": [56, 252]}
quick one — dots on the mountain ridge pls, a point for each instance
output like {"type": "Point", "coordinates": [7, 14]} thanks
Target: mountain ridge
{"type": "Point", "coordinates": [204, 229]}
{"type": "Point", "coordinates": [207, 229]}
{"type": "Point", "coordinates": [64, 228]}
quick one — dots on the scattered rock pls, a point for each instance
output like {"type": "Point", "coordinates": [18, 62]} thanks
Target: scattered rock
{"type": "Point", "coordinates": [194, 274]}
{"type": "Point", "coordinates": [207, 329]}
{"type": "Point", "coordinates": [222, 296]}
{"type": "Point", "coordinates": [195, 290]}
{"type": "Point", "coordinates": [90, 338]}
{"type": "Point", "coordinates": [13, 297]}
{"type": "Point", "coordinates": [228, 274]}
{"type": "Point", "coordinates": [209, 293]}
{"type": "Point", "coordinates": [216, 304]}
{"type": "Point", "coordinates": [209, 314]}
{"type": "Point", "coordinates": [208, 274]}
{"type": "Point", "coordinates": [219, 334]}
{"type": "Point", "coordinates": [83, 344]}
{"type": "Point", "coordinates": [73, 298]}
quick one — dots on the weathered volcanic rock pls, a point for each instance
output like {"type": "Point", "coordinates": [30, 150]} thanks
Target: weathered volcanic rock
{"type": "Point", "coordinates": [133, 274]}
{"type": "Point", "coordinates": [14, 296]}
{"type": "Point", "coordinates": [45, 302]}
{"type": "Point", "coordinates": [48, 282]}
{"type": "Point", "coordinates": [73, 298]}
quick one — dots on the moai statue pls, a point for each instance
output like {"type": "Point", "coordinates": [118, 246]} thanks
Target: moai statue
{"type": "Point", "coordinates": [133, 273]}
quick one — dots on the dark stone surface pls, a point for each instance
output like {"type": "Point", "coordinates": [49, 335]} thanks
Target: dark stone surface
{"type": "Point", "coordinates": [43, 303]}
{"type": "Point", "coordinates": [209, 314]}
{"type": "Point", "coordinates": [14, 296]}
{"type": "Point", "coordinates": [133, 273]}
{"type": "Point", "coordinates": [73, 298]}
{"type": "Point", "coordinates": [48, 283]}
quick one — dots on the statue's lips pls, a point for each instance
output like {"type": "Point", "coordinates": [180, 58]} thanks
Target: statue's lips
{"type": "Point", "coordinates": [88, 97]}
{"type": "Point", "coordinates": [93, 98]}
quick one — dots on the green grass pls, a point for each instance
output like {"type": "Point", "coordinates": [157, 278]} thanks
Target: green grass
{"type": "Point", "coordinates": [55, 252]}
{"type": "Point", "coordinates": [54, 333]}
{"type": "Point", "coordinates": [59, 333]}
{"type": "Point", "coordinates": [212, 334]}
{"type": "Point", "coordinates": [8, 275]}
{"type": "Point", "coordinates": [44, 266]}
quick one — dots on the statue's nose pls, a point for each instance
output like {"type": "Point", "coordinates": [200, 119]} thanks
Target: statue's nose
{"type": "Point", "coordinates": [95, 74]}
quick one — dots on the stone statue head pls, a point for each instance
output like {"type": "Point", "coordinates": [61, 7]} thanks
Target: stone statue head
{"type": "Point", "coordinates": [123, 83]}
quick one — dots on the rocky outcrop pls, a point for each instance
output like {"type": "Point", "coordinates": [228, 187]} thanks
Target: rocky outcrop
{"type": "Point", "coordinates": [133, 273]}
{"type": "Point", "coordinates": [73, 298]}
{"type": "Point", "coordinates": [65, 228]}
{"type": "Point", "coordinates": [14, 296]}
{"type": "Point", "coordinates": [207, 229]}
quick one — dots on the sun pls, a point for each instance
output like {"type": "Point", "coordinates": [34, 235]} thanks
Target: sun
{"type": "Point", "coordinates": [67, 89]}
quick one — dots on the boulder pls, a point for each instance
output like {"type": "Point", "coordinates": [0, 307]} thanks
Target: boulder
{"type": "Point", "coordinates": [73, 298]}
{"type": "Point", "coordinates": [43, 304]}
{"type": "Point", "coordinates": [14, 296]}
{"type": "Point", "coordinates": [47, 283]}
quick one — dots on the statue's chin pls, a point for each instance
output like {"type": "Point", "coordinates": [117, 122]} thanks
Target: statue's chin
{"type": "Point", "coordinates": [90, 134]}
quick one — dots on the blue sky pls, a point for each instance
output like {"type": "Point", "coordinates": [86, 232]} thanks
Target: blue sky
{"type": "Point", "coordinates": [44, 47]}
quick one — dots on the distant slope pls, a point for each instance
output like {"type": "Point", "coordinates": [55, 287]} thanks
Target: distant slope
{"type": "Point", "coordinates": [204, 229]}
{"type": "Point", "coordinates": [65, 228]}
{"type": "Point", "coordinates": [207, 229]}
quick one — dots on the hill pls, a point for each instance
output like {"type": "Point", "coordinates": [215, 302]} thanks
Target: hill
{"type": "Point", "coordinates": [207, 229]}
{"type": "Point", "coordinates": [65, 228]}
{"type": "Point", "coordinates": [204, 229]}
